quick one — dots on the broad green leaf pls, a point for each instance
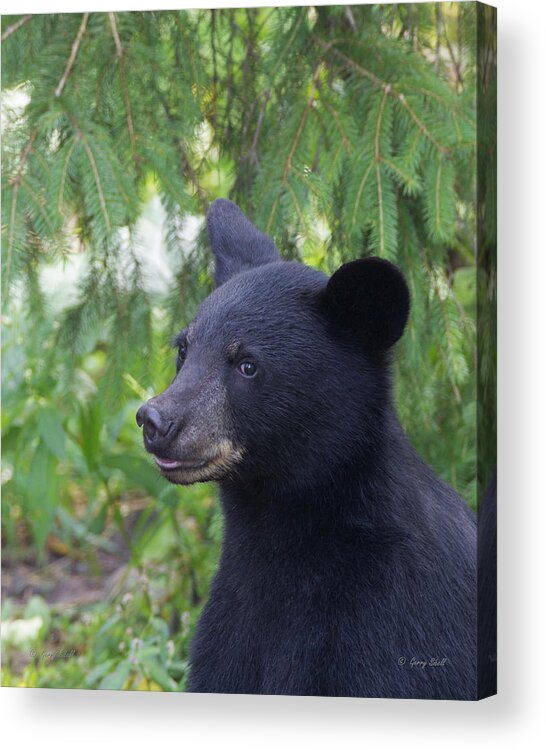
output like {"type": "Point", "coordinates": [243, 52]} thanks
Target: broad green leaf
{"type": "Point", "coordinates": [98, 673]}
{"type": "Point", "coordinates": [160, 675]}
{"type": "Point", "coordinates": [42, 493]}
{"type": "Point", "coordinates": [138, 471]}
{"type": "Point", "coordinates": [116, 679]}
{"type": "Point", "coordinates": [51, 431]}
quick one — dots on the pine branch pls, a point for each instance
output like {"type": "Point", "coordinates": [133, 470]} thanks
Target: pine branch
{"type": "Point", "coordinates": [73, 55]}
{"type": "Point", "coordinates": [351, 63]}
{"type": "Point", "coordinates": [93, 164]}
{"type": "Point", "coordinates": [115, 34]}
{"type": "Point", "coordinates": [392, 89]}
{"type": "Point", "coordinates": [420, 124]}
{"type": "Point", "coordinates": [60, 200]}
{"type": "Point", "coordinates": [17, 25]}
{"type": "Point", "coordinates": [360, 191]}
{"type": "Point", "coordinates": [296, 203]}
{"type": "Point", "coordinates": [454, 61]}
{"type": "Point", "coordinates": [123, 79]}
{"type": "Point", "coordinates": [335, 116]}
{"type": "Point", "coordinates": [378, 173]}
{"type": "Point", "coordinates": [16, 184]}
{"type": "Point", "coordinates": [185, 162]}
{"type": "Point", "coordinates": [267, 93]}
{"type": "Point", "coordinates": [299, 131]}
{"type": "Point", "coordinates": [38, 201]}
{"type": "Point", "coordinates": [447, 329]}
{"type": "Point", "coordinates": [437, 196]}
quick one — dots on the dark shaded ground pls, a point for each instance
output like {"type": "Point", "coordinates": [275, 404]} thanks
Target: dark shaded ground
{"type": "Point", "coordinates": [63, 580]}
{"type": "Point", "coordinates": [68, 576]}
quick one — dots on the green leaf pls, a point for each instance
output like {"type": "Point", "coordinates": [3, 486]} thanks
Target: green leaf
{"type": "Point", "coordinates": [139, 472]}
{"type": "Point", "coordinates": [160, 675]}
{"type": "Point", "coordinates": [42, 493]}
{"type": "Point", "coordinates": [440, 195]}
{"type": "Point", "coordinates": [51, 430]}
{"type": "Point", "coordinates": [98, 673]}
{"type": "Point", "coordinates": [90, 428]}
{"type": "Point", "coordinates": [105, 637]}
{"type": "Point", "coordinates": [116, 679]}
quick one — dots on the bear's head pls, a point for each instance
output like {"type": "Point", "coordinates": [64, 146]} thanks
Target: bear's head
{"type": "Point", "coordinates": [283, 373]}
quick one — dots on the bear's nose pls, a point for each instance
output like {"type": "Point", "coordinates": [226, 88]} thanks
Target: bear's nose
{"type": "Point", "coordinates": [154, 424]}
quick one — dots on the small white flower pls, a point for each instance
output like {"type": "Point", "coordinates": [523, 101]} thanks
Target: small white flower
{"type": "Point", "coordinates": [185, 622]}
{"type": "Point", "coordinates": [19, 632]}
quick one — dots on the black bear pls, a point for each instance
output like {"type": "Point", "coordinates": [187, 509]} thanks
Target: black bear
{"type": "Point", "coordinates": [347, 566]}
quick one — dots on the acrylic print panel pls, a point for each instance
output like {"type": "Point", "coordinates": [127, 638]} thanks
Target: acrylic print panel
{"type": "Point", "coordinates": [302, 199]}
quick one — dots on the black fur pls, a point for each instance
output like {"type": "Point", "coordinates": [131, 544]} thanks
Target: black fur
{"type": "Point", "coordinates": [373, 292]}
{"type": "Point", "coordinates": [239, 244]}
{"type": "Point", "coordinates": [347, 567]}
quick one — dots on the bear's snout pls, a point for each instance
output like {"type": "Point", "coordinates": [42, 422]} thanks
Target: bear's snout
{"type": "Point", "coordinates": [156, 426]}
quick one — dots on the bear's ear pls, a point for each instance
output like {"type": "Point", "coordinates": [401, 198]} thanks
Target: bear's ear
{"type": "Point", "coordinates": [369, 298]}
{"type": "Point", "coordinates": [236, 243]}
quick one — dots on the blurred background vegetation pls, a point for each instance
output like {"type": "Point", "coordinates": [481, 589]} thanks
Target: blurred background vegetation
{"type": "Point", "coordinates": [342, 131]}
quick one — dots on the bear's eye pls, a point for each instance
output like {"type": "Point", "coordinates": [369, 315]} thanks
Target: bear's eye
{"type": "Point", "coordinates": [247, 368]}
{"type": "Point", "coordinates": [181, 356]}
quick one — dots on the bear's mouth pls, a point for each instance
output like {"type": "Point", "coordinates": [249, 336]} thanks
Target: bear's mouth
{"type": "Point", "coordinates": [189, 471]}
{"type": "Point", "coordinates": [168, 464]}
{"type": "Point", "coordinates": [200, 468]}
